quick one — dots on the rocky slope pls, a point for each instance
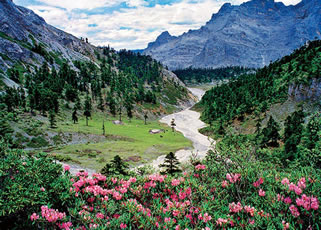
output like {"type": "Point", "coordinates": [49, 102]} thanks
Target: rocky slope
{"type": "Point", "coordinates": [21, 29]}
{"type": "Point", "coordinates": [252, 35]}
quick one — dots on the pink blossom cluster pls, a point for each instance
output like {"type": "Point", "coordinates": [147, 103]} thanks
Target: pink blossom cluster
{"type": "Point", "coordinates": [294, 211]}
{"type": "Point", "coordinates": [157, 177]}
{"type": "Point", "coordinates": [250, 210]}
{"type": "Point", "coordinates": [221, 221]}
{"type": "Point", "coordinates": [233, 178]}
{"type": "Point", "coordinates": [261, 192]}
{"type": "Point", "coordinates": [235, 207]}
{"type": "Point", "coordinates": [204, 217]}
{"type": "Point", "coordinates": [200, 167]}
{"type": "Point", "coordinates": [297, 188]}
{"type": "Point", "coordinates": [308, 202]}
{"type": "Point", "coordinates": [66, 225]}
{"type": "Point", "coordinates": [175, 182]}
{"type": "Point", "coordinates": [51, 215]}
{"type": "Point", "coordinates": [257, 183]}
{"type": "Point", "coordinates": [285, 225]}
{"type": "Point", "coordinates": [66, 167]}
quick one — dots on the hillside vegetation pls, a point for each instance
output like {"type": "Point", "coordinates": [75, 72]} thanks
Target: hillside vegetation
{"type": "Point", "coordinates": [209, 75]}
{"type": "Point", "coordinates": [255, 93]}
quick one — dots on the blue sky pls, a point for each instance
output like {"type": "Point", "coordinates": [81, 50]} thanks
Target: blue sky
{"type": "Point", "coordinates": [129, 24]}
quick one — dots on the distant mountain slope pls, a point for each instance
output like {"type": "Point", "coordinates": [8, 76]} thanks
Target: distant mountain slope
{"type": "Point", "coordinates": [251, 35]}
{"type": "Point", "coordinates": [21, 29]}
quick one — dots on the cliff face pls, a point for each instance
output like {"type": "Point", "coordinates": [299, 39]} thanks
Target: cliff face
{"type": "Point", "coordinates": [21, 29]}
{"type": "Point", "coordinates": [302, 92]}
{"type": "Point", "coordinates": [252, 35]}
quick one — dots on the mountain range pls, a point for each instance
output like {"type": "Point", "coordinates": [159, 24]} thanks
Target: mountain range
{"type": "Point", "coordinates": [252, 34]}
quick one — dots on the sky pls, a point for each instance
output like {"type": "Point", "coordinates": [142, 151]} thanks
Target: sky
{"type": "Point", "coordinates": [127, 24]}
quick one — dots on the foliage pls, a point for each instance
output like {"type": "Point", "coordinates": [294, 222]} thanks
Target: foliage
{"type": "Point", "coordinates": [207, 75]}
{"type": "Point", "coordinates": [28, 182]}
{"type": "Point", "coordinates": [116, 167]}
{"type": "Point", "coordinates": [256, 92]}
{"type": "Point", "coordinates": [170, 164]}
{"type": "Point", "coordinates": [271, 133]}
{"type": "Point", "coordinates": [232, 188]}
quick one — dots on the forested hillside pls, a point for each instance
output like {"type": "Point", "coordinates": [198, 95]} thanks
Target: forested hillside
{"type": "Point", "coordinates": [209, 75]}
{"type": "Point", "coordinates": [255, 93]}
{"type": "Point", "coordinates": [278, 108]}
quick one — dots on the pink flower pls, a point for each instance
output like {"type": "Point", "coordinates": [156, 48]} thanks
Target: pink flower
{"type": "Point", "coordinates": [67, 167]}
{"type": "Point", "coordinates": [285, 181]}
{"type": "Point", "coordinates": [294, 211]}
{"type": "Point", "coordinates": [34, 216]}
{"type": "Point", "coordinates": [167, 219]}
{"type": "Point", "coordinates": [42, 189]}
{"type": "Point", "coordinates": [100, 215]}
{"type": "Point", "coordinates": [233, 178]}
{"type": "Point", "coordinates": [287, 200]}
{"type": "Point", "coordinates": [258, 182]}
{"type": "Point", "coordinates": [285, 225]}
{"type": "Point", "coordinates": [182, 195]}
{"type": "Point", "coordinates": [249, 210]}
{"type": "Point", "coordinates": [221, 221]}
{"type": "Point", "coordinates": [123, 226]}
{"type": "Point", "coordinates": [200, 167]}
{"type": "Point", "coordinates": [301, 183]}
{"type": "Point", "coordinates": [175, 182]}
{"type": "Point", "coordinates": [206, 217]}
{"type": "Point", "coordinates": [224, 183]}
{"type": "Point", "coordinates": [177, 227]}
{"type": "Point", "coordinates": [297, 190]}
{"type": "Point", "coordinates": [235, 207]}
{"type": "Point", "coordinates": [261, 192]}
{"type": "Point", "coordinates": [251, 221]}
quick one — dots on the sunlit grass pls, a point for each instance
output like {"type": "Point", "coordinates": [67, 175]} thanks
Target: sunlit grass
{"type": "Point", "coordinates": [138, 142]}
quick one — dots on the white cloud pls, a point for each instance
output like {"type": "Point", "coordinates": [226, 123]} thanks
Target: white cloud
{"type": "Point", "coordinates": [129, 28]}
{"type": "Point", "coordinates": [289, 2]}
{"type": "Point", "coordinates": [80, 4]}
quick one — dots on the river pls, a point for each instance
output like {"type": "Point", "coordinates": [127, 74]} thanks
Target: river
{"type": "Point", "coordinates": [188, 123]}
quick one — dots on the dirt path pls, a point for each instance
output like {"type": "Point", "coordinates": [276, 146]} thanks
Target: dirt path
{"type": "Point", "coordinates": [188, 123]}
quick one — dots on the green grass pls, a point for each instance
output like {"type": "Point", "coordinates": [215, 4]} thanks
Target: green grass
{"type": "Point", "coordinates": [138, 143]}
{"type": "Point", "coordinates": [22, 43]}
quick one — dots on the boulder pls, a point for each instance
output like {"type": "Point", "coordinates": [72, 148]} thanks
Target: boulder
{"type": "Point", "coordinates": [117, 122]}
{"type": "Point", "coordinates": [156, 131]}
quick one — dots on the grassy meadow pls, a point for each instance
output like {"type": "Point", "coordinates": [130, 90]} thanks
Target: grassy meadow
{"type": "Point", "coordinates": [132, 141]}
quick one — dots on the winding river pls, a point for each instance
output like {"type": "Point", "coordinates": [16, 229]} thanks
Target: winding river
{"type": "Point", "coordinates": [188, 123]}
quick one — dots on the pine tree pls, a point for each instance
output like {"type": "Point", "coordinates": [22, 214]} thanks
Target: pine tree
{"type": "Point", "coordinates": [74, 116]}
{"type": "Point", "coordinates": [173, 125]}
{"type": "Point", "coordinates": [87, 108]}
{"type": "Point", "coordinates": [271, 133]}
{"type": "Point", "coordinates": [170, 164]}
{"type": "Point", "coordinates": [52, 119]}
{"type": "Point", "coordinates": [145, 118]}
{"type": "Point", "coordinates": [115, 167]}
{"type": "Point", "coordinates": [103, 128]}
{"type": "Point", "coordinates": [293, 133]}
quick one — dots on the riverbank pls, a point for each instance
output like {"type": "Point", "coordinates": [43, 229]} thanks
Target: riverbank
{"type": "Point", "coordinates": [188, 123]}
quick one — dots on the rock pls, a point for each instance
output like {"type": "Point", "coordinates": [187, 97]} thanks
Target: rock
{"type": "Point", "coordinates": [22, 27]}
{"type": "Point", "coordinates": [311, 91]}
{"type": "Point", "coordinates": [117, 122]}
{"type": "Point", "coordinates": [251, 34]}
{"type": "Point", "coordinates": [156, 131]}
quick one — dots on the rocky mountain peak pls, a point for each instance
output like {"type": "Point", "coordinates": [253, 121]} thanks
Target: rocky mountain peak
{"type": "Point", "coordinates": [163, 38]}
{"type": "Point", "coordinates": [251, 34]}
